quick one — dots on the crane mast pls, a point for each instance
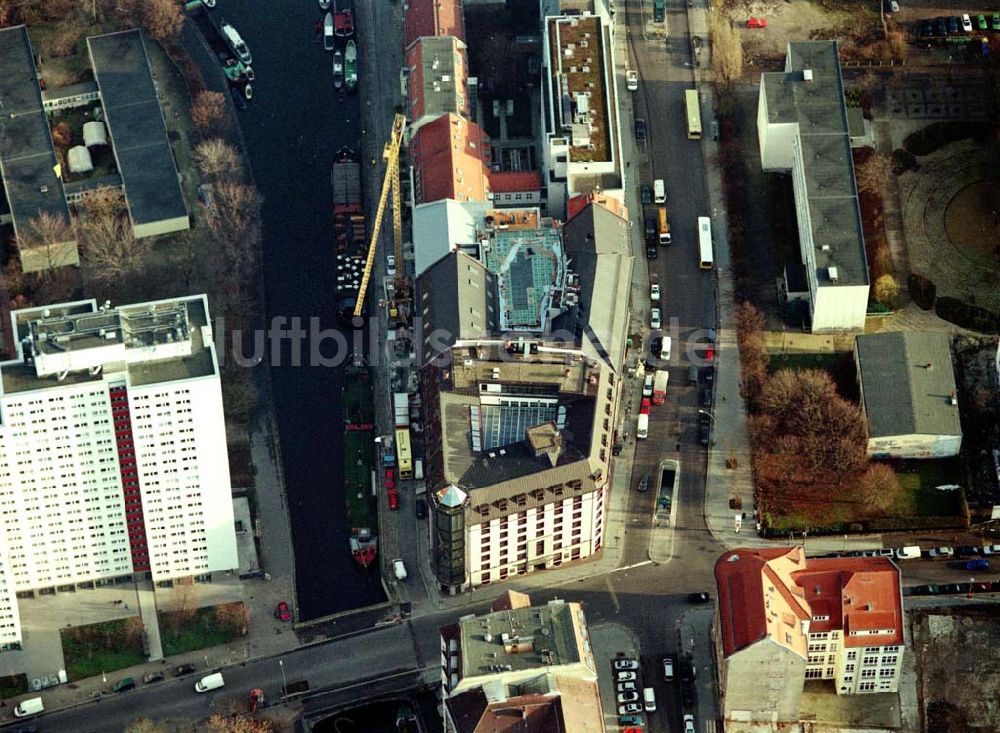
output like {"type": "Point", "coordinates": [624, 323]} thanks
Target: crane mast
{"type": "Point", "coordinates": [390, 182]}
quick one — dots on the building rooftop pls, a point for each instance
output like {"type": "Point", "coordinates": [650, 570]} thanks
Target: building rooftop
{"type": "Point", "coordinates": [578, 85]}
{"type": "Point", "coordinates": [859, 595]}
{"type": "Point", "coordinates": [515, 181]}
{"type": "Point", "coordinates": [810, 92]}
{"type": "Point", "coordinates": [27, 155]}
{"type": "Point", "coordinates": [907, 382]}
{"type": "Point", "coordinates": [451, 160]}
{"type": "Point", "coordinates": [528, 260]}
{"type": "Point", "coordinates": [73, 343]}
{"type": "Point", "coordinates": [445, 225]}
{"type": "Point", "coordinates": [433, 18]}
{"type": "Point", "coordinates": [437, 77]}
{"type": "Point", "coordinates": [136, 127]}
{"type": "Point", "coordinates": [536, 637]}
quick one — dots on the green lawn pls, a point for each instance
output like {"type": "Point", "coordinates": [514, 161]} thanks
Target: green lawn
{"type": "Point", "coordinates": [13, 685]}
{"type": "Point", "coordinates": [104, 647]}
{"type": "Point", "coordinates": [202, 631]}
{"type": "Point", "coordinates": [919, 497]}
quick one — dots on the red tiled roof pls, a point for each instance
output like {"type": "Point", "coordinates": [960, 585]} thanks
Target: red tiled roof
{"type": "Point", "coordinates": [823, 588]}
{"type": "Point", "coordinates": [433, 18]}
{"type": "Point", "coordinates": [513, 181]}
{"type": "Point", "coordinates": [578, 203]}
{"type": "Point", "coordinates": [451, 159]}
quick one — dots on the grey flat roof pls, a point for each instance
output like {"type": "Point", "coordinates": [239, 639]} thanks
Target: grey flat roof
{"type": "Point", "coordinates": [907, 379]}
{"type": "Point", "coordinates": [135, 124]}
{"type": "Point", "coordinates": [441, 86]}
{"type": "Point", "coordinates": [818, 107]}
{"type": "Point", "coordinates": [27, 156]}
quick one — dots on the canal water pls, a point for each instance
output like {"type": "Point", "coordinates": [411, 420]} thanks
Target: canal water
{"type": "Point", "coordinates": [293, 126]}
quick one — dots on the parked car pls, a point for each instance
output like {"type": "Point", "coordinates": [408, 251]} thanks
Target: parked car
{"type": "Point", "coordinates": [706, 398]}
{"type": "Point", "coordinates": [668, 669]}
{"type": "Point", "coordinates": [643, 484]}
{"type": "Point", "coordinates": [981, 22]}
{"type": "Point", "coordinates": [966, 23]}
{"type": "Point", "coordinates": [981, 587]}
{"type": "Point", "coordinates": [991, 550]}
{"type": "Point", "coordinates": [630, 720]}
{"type": "Point", "coordinates": [651, 253]}
{"type": "Point", "coordinates": [282, 612]}
{"type": "Point", "coordinates": [941, 26]}
{"type": "Point", "coordinates": [954, 23]}
{"type": "Point", "coordinates": [926, 28]}
{"type": "Point", "coordinates": [647, 385]}
{"type": "Point", "coordinates": [704, 434]}
{"type": "Point", "coordinates": [650, 229]}
{"type": "Point", "coordinates": [625, 676]}
{"type": "Point", "coordinates": [654, 292]}
{"type": "Point", "coordinates": [626, 664]}
{"type": "Point", "coordinates": [632, 80]}
{"type": "Point", "coordinates": [124, 685]}
{"type": "Point", "coordinates": [390, 265]}
{"type": "Point", "coordinates": [709, 373]}
{"type": "Point", "coordinates": [689, 723]}
{"type": "Point", "coordinates": [756, 23]}
{"type": "Point", "coordinates": [151, 677]}
{"type": "Point", "coordinates": [640, 130]}
{"type": "Point", "coordinates": [420, 507]}
{"type": "Point", "coordinates": [925, 590]}
{"type": "Point", "coordinates": [628, 697]}
{"type": "Point", "coordinates": [698, 598]}
{"type": "Point", "coordinates": [995, 22]}
{"type": "Point", "coordinates": [645, 406]}
{"type": "Point", "coordinates": [979, 563]}
{"type": "Point", "coordinates": [393, 497]}
{"type": "Point", "coordinates": [967, 550]}
{"type": "Point", "coordinates": [627, 687]}
{"type": "Point", "coordinates": [182, 669]}
{"type": "Point", "coordinates": [390, 478]}
{"type": "Point", "coordinates": [629, 709]}
{"type": "Point", "coordinates": [665, 348]}
{"type": "Point", "coordinates": [654, 318]}
{"type": "Point", "coordinates": [941, 552]}
{"type": "Point", "coordinates": [647, 194]}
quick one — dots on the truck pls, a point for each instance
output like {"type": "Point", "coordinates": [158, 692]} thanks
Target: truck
{"type": "Point", "coordinates": [658, 11]}
{"type": "Point", "coordinates": [660, 379]}
{"type": "Point", "coordinates": [210, 682]}
{"type": "Point", "coordinates": [663, 225]}
{"type": "Point", "coordinates": [401, 409]}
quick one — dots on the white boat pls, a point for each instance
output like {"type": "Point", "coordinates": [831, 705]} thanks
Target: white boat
{"type": "Point", "coordinates": [324, 4]}
{"type": "Point", "coordinates": [329, 42]}
{"type": "Point", "coordinates": [338, 70]}
{"type": "Point", "coordinates": [248, 92]}
{"type": "Point", "coordinates": [236, 43]}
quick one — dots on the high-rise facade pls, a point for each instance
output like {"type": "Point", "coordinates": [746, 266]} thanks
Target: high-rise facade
{"type": "Point", "coordinates": [113, 459]}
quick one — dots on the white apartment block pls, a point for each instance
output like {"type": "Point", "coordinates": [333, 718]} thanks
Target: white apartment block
{"type": "Point", "coordinates": [581, 135]}
{"type": "Point", "coordinates": [803, 129]}
{"type": "Point", "coordinates": [113, 459]}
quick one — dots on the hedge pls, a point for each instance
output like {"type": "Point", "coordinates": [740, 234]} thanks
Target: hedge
{"type": "Point", "coordinates": [922, 290]}
{"type": "Point", "coordinates": [967, 316]}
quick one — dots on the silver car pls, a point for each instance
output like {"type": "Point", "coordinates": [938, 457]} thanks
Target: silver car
{"type": "Point", "coordinates": [628, 697]}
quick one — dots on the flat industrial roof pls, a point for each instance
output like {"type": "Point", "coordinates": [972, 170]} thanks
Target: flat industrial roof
{"type": "Point", "coordinates": [135, 124]}
{"type": "Point", "coordinates": [27, 156]}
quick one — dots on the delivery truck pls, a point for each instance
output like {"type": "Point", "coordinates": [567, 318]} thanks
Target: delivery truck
{"type": "Point", "coordinates": [660, 379]}
{"type": "Point", "coordinates": [642, 431]}
{"type": "Point", "coordinates": [31, 706]}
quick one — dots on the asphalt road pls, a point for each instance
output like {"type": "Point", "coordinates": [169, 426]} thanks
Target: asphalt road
{"type": "Point", "coordinates": [293, 127]}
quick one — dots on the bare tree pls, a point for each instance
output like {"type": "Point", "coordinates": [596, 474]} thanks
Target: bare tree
{"type": "Point", "coordinates": [233, 616]}
{"type": "Point", "coordinates": [47, 242]}
{"type": "Point", "coordinates": [239, 724]}
{"type": "Point", "coordinates": [207, 110]}
{"type": "Point", "coordinates": [110, 249]}
{"type": "Point", "coordinates": [66, 34]}
{"type": "Point", "coordinates": [161, 19]}
{"type": "Point", "coordinates": [878, 489]}
{"type": "Point", "coordinates": [218, 161]}
{"type": "Point", "coordinates": [727, 46]}
{"type": "Point", "coordinates": [875, 173]}
{"type": "Point", "coordinates": [145, 725]}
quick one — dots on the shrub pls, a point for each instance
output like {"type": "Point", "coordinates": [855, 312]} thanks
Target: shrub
{"type": "Point", "coordinates": [903, 160]}
{"type": "Point", "coordinates": [887, 291]}
{"type": "Point", "coordinates": [922, 290]}
{"type": "Point", "coordinates": [967, 316]}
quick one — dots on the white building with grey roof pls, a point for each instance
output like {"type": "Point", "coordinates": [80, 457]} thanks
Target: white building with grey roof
{"type": "Point", "coordinates": [803, 129]}
{"type": "Point", "coordinates": [113, 457]}
{"type": "Point", "coordinates": [520, 423]}
{"type": "Point", "coordinates": [908, 394]}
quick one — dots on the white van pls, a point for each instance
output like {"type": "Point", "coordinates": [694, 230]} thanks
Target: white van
{"type": "Point", "coordinates": [211, 682]}
{"type": "Point", "coordinates": [910, 552]}
{"type": "Point", "coordinates": [399, 569]}
{"type": "Point", "coordinates": [31, 706]}
{"type": "Point", "coordinates": [659, 191]}
{"type": "Point", "coordinates": [418, 469]}
{"type": "Point", "coordinates": [642, 430]}
{"type": "Point", "coordinates": [649, 699]}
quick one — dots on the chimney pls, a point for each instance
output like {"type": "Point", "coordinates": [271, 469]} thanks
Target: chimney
{"type": "Point", "coordinates": [807, 75]}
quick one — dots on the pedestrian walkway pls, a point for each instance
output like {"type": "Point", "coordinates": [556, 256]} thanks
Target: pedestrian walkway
{"type": "Point", "coordinates": [146, 599]}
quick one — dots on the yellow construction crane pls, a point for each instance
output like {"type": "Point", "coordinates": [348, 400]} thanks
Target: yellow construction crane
{"type": "Point", "coordinates": [390, 154]}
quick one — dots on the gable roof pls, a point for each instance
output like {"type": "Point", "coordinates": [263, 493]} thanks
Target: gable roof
{"type": "Point", "coordinates": [907, 378]}
{"type": "Point", "coordinates": [515, 181]}
{"type": "Point", "coordinates": [451, 159]}
{"type": "Point", "coordinates": [432, 18]}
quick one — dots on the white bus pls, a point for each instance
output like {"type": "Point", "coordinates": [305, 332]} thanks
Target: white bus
{"type": "Point", "coordinates": [705, 261]}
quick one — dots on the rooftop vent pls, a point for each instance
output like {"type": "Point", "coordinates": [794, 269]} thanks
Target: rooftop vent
{"type": "Point", "coordinates": [825, 248]}
{"type": "Point", "coordinates": [953, 399]}
{"type": "Point", "coordinates": [834, 275]}
{"type": "Point", "coordinates": [807, 75]}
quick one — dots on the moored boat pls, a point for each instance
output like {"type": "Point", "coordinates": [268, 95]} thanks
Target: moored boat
{"type": "Point", "coordinates": [338, 70]}
{"type": "Point", "coordinates": [329, 42]}
{"type": "Point", "coordinates": [351, 66]}
{"type": "Point", "coordinates": [344, 19]}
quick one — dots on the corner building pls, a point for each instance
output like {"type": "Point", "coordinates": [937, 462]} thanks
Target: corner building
{"type": "Point", "coordinates": [113, 458]}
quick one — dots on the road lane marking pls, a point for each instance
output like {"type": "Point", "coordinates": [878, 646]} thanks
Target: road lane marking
{"type": "Point", "coordinates": [614, 596]}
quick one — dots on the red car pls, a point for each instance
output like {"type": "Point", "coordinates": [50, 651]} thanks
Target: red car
{"type": "Point", "coordinates": [393, 498]}
{"type": "Point", "coordinates": [644, 407]}
{"type": "Point", "coordinates": [282, 612]}
{"type": "Point", "coordinates": [390, 479]}
{"type": "Point", "coordinates": [756, 23]}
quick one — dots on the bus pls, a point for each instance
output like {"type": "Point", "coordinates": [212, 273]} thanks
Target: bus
{"type": "Point", "coordinates": [705, 260]}
{"type": "Point", "coordinates": [404, 458]}
{"type": "Point", "coordinates": [693, 114]}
